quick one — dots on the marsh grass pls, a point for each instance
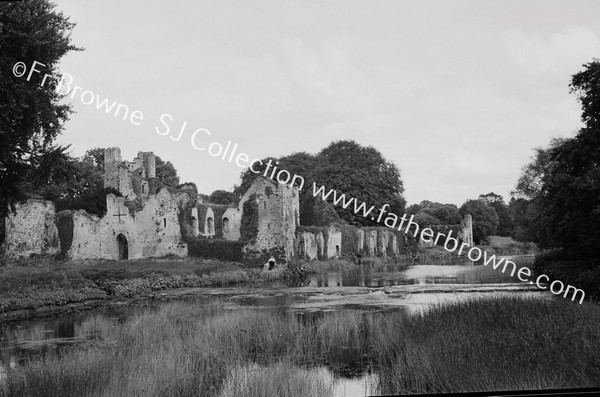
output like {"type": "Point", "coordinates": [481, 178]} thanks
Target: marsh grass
{"type": "Point", "coordinates": [282, 379]}
{"type": "Point", "coordinates": [187, 349]}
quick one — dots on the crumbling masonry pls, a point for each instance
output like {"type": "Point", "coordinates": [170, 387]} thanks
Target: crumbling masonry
{"type": "Point", "coordinates": [142, 222]}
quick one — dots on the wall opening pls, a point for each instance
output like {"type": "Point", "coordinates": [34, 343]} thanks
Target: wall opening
{"type": "Point", "coordinates": [210, 226]}
{"type": "Point", "coordinates": [225, 225]}
{"type": "Point", "coordinates": [165, 222]}
{"type": "Point", "coordinates": [123, 247]}
{"type": "Point", "coordinates": [337, 250]}
{"type": "Point", "coordinates": [194, 226]}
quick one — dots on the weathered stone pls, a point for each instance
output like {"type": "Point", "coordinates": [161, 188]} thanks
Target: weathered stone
{"type": "Point", "coordinates": [278, 214]}
{"type": "Point", "coordinates": [31, 230]}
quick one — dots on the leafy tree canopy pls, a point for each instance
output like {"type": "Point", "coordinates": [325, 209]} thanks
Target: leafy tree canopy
{"type": "Point", "coordinates": [31, 116]}
{"type": "Point", "coordinates": [485, 219]}
{"type": "Point", "coordinates": [505, 221]}
{"type": "Point", "coordinates": [166, 174]}
{"type": "Point", "coordinates": [562, 183]}
{"type": "Point", "coordinates": [345, 166]}
{"type": "Point", "coordinates": [221, 197]}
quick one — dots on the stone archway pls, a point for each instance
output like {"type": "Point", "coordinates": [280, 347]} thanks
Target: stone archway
{"type": "Point", "coordinates": [123, 247]}
{"type": "Point", "coordinates": [210, 226]}
{"type": "Point", "coordinates": [225, 225]}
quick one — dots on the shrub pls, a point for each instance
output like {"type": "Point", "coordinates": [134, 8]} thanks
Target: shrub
{"type": "Point", "coordinates": [221, 249]}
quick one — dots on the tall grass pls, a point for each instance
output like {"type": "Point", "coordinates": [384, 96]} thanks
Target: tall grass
{"type": "Point", "coordinates": [186, 349]}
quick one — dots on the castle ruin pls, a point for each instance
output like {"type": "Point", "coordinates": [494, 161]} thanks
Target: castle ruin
{"type": "Point", "coordinates": [143, 221]}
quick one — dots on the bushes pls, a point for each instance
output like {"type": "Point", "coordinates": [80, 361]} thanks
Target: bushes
{"type": "Point", "coordinates": [223, 250]}
{"type": "Point", "coordinates": [259, 258]}
{"type": "Point", "coordinates": [578, 273]}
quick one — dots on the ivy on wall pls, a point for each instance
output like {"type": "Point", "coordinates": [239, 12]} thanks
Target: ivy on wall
{"type": "Point", "coordinates": [350, 239]}
{"type": "Point", "coordinates": [64, 224]}
{"type": "Point", "coordinates": [184, 216]}
{"type": "Point", "coordinates": [249, 224]}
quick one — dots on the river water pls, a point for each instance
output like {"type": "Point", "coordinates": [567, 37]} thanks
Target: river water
{"type": "Point", "coordinates": [325, 291]}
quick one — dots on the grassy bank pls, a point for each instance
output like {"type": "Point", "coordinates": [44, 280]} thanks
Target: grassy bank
{"type": "Point", "coordinates": [37, 282]}
{"type": "Point", "coordinates": [184, 349]}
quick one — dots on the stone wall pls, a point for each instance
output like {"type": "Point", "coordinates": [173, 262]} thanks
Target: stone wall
{"type": "Point", "coordinates": [31, 230]}
{"type": "Point", "coordinates": [310, 245]}
{"type": "Point", "coordinates": [371, 242]}
{"type": "Point", "coordinates": [462, 231]}
{"type": "Point", "coordinates": [278, 214]}
{"type": "Point", "coordinates": [346, 241]}
{"type": "Point", "coordinates": [334, 242]}
{"type": "Point", "coordinates": [153, 231]}
{"type": "Point", "coordinates": [232, 220]}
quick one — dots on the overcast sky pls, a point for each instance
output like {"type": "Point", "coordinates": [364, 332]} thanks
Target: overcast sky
{"type": "Point", "coordinates": [456, 93]}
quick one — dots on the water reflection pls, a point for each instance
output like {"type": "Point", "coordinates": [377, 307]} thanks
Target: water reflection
{"type": "Point", "coordinates": [457, 272]}
{"type": "Point", "coordinates": [350, 367]}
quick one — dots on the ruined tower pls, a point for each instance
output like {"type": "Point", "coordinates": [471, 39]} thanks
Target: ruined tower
{"type": "Point", "coordinates": [133, 179]}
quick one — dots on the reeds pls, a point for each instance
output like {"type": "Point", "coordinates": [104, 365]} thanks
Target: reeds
{"type": "Point", "coordinates": [187, 349]}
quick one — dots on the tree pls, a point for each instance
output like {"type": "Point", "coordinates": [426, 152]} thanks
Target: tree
{"type": "Point", "coordinates": [424, 219]}
{"type": "Point", "coordinates": [359, 172]}
{"type": "Point", "coordinates": [96, 157]}
{"type": "Point", "coordinates": [447, 214]}
{"type": "Point", "coordinates": [31, 116]}
{"type": "Point", "coordinates": [221, 197]}
{"type": "Point", "coordinates": [562, 182]}
{"type": "Point", "coordinates": [485, 219]}
{"type": "Point", "coordinates": [349, 168]}
{"type": "Point", "coordinates": [413, 209]}
{"type": "Point", "coordinates": [166, 174]}
{"type": "Point", "coordinates": [519, 213]}
{"type": "Point", "coordinates": [505, 222]}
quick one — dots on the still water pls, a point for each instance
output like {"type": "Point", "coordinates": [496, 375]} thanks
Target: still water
{"type": "Point", "coordinates": [455, 271]}
{"type": "Point", "coordinates": [23, 339]}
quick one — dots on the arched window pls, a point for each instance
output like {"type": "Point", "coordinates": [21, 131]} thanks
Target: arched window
{"type": "Point", "coordinates": [225, 225]}
{"type": "Point", "coordinates": [210, 226]}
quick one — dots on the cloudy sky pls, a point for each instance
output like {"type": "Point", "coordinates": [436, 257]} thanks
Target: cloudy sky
{"type": "Point", "coordinates": [456, 93]}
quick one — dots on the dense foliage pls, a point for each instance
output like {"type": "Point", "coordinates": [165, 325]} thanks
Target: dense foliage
{"type": "Point", "coordinates": [31, 115]}
{"type": "Point", "coordinates": [505, 221]}
{"type": "Point", "coordinates": [77, 183]}
{"type": "Point", "coordinates": [485, 219]}
{"type": "Point", "coordinates": [166, 174]}
{"type": "Point", "coordinates": [562, 183]}
{"type": "Point", "coordinates": [430, 213]}
{"type": "Point", "coordinates": [345, 166]}
{"type": "Point", "coordinates": [221, 197]}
